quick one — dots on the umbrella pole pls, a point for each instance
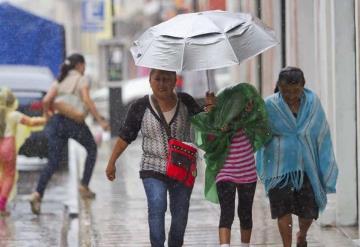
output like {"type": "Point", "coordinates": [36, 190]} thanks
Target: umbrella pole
{"type": "Point", "coordinates": [210, 96]}
{"type": "Point", "coordinates": [208, 80]}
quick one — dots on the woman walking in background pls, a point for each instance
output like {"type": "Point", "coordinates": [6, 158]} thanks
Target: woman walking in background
{"type": "Point", "coordinates": [297, 166]}
{"type": "Point", "coordinates": [9, 121]}
{"type": "Point", "coordinates": [67, 103]}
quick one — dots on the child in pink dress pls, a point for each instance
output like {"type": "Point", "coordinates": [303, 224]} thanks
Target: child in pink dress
{"type": "Point", "coordinates": [9, 120]}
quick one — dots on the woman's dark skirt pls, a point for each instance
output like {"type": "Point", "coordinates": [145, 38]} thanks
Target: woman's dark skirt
{"type": "Point", "coordinates": [286, 200]}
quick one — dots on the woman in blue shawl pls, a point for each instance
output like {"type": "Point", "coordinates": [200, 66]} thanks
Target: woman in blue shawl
{"type": "Point", "coordinates": [297, 166]}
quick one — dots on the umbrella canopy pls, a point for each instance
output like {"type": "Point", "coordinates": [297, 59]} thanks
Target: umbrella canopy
{"type": "Point", "coordinates": [202, 41]}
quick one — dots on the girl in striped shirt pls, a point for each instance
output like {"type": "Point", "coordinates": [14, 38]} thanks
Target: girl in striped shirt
{"type": "Point", "coordinates": [229, 133]}
{"type": "Point", "coordinates": [237, 174]}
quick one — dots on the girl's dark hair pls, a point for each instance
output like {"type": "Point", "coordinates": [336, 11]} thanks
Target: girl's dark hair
{"type": "Point", "coordinates": [290, 75]}
{"type": "Point", "coordinates": [69, 64]}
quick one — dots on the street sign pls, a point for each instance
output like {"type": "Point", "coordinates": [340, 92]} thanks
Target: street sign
{"type": "Point", "coordinates": [93, 15]}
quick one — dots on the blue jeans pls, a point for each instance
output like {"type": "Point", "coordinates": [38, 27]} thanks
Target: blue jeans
{"type": "Point", "coordinates": [58, 131]}
{"type": "Point", "coordinates": [156, 193]}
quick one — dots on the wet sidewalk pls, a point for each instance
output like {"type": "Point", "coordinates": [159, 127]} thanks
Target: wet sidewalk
{"type": "Point", "coordinates": [118, 215]}
{"type": "Point", "coordinates": [24, 229]}
{"type": "Point", "coordinates": [57, 225]}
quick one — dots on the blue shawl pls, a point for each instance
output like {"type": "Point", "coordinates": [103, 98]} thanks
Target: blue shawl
{"type": "Point", "coordinates": [301, 144]}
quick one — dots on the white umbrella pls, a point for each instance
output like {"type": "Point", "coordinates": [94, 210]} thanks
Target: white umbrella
{"type": "Point", "coordinates": [202, 41]}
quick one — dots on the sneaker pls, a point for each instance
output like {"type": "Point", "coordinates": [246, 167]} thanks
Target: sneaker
{"type": "Point", "coordinates": [35, 203]}
{"type": "Point", "coordinates": [86, 193]}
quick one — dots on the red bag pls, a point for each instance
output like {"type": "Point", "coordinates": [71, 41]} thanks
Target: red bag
{"type": "Point", "coordinates": [181, 163]}
{"type": "Point", "coordinates": [181, 160]}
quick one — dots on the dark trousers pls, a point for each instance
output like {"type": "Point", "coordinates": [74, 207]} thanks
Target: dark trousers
{"type": "Point", "coordinates": [58, 131]}
{"type": "Point", "coordinates": [226, 192]}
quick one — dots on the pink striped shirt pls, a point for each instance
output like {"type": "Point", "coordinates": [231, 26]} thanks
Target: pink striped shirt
{"type": "Point", "coordinates": [239, 166]}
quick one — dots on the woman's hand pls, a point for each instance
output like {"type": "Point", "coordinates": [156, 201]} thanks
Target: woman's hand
{"type": "Point", "coordinates": [119, 147]}
{"type": "Point", "coordinates": [210, 101]}
{"type": "Point", "coordinates": [104, 124]}
{"type": "Point", "coordinates": [110, 171]}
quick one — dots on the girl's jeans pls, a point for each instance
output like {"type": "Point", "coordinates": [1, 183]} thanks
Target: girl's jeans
{"type": "Point", "coordinates": [156, 193]}
{"type": "Point", "coordinates": [58, 131]}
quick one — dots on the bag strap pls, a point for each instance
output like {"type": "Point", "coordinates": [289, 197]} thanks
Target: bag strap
{"type": "Point", "coordinates": [162, 118]}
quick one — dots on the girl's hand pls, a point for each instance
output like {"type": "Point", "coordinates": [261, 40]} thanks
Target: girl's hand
{"type": "Point", "coordinates": [48, 114]}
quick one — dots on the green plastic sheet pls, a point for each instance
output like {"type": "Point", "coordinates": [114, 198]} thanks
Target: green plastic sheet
{"type": "Point", "coordinates": [229, 112]}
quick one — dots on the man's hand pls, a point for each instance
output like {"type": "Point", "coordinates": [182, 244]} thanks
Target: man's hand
{"type": "Point", "coordinates": [110, 171]}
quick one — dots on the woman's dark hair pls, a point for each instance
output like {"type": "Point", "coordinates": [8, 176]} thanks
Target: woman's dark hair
{"type": "Point", "coordinates": [69, 64]}
{"type": "Point", "coordinates": [290, 75]}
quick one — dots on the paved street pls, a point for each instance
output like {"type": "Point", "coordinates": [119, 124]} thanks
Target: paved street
{"type": "Point", "coordinates": [118, 216]}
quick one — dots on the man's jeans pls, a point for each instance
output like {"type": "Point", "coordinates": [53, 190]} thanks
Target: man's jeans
{"type": "Point", "coordinates": [156, 193]}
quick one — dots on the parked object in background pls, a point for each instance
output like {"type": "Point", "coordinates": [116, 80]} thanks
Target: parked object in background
{"type": "Point", "coordinates": [30, 39]}
{"type": "Point", "coordinates": [29, 84]}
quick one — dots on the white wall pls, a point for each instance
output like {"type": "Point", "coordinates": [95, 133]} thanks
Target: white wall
{"type": "Point", "coordinates": [357, 22]}
{"type": "Point", "coordinates": [345, 110]}
{"type": "Point", "coordinates": [324, 78]}
{"type": "Point", "coordinates": [320, 40]}
{"type": "Point", "coordinates": [271, 59]}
